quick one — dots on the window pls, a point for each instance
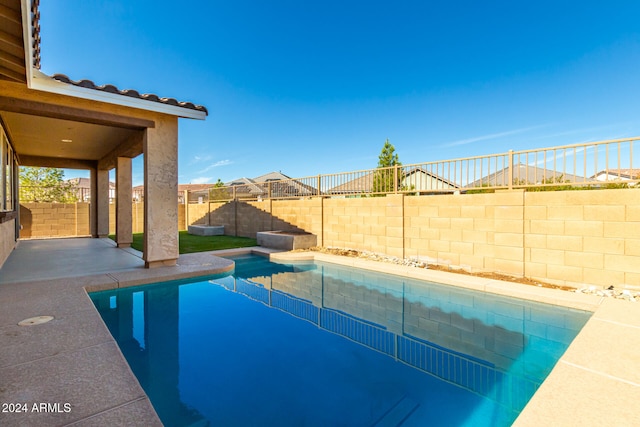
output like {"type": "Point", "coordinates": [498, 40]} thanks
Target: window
{"type": "Point", "coordinates": [8, 174]}
{"type": "Point", "coordinates": [7, 194]}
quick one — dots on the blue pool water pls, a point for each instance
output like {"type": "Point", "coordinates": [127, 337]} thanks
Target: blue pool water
{"type": "Point", "coordinates": [317, 344]}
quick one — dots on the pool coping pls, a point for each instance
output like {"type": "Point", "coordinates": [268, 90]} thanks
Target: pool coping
{"type": "Point", "coordinates": [594, 383]}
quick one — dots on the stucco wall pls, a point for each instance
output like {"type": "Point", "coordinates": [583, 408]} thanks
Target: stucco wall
{"type": "Point", "coordinates": [7, 239]}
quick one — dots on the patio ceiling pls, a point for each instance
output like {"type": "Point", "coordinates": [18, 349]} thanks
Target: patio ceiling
{"type": "Point", "coordinates": [36, 136]}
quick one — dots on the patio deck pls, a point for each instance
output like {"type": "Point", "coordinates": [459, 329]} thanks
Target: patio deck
{"type": "Point", "coordinates": [73, 359]}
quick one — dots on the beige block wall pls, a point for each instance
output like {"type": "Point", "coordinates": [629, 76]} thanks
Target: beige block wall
{"type": "Point", "coordinates": [478, 232]}
{"type": "Point", "coordinates": [577, 237]}
{"type": "Point", "coordinates": [137, 218]}
{"type": "Point", "coordinates": [223, 213]}
{"type": "Point", "coordinates": [298, 215]}
{"type": "Point", "coordinates": [54, 219]}
{"type": "Point", "coordinates": [372, 224]}
{"type": "Point", "coordinates": [196, 214]}
{"type": "Point", "coordinates": [247, 218]}
{"type": "Point", "coordinates": [568, 238]}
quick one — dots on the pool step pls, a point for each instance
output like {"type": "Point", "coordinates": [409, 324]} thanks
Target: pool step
{"type": "Point", "coordinates": [398, 413]}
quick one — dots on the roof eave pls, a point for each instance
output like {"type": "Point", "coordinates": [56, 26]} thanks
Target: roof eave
{"type": "Point", "coordinates": [43, 82]}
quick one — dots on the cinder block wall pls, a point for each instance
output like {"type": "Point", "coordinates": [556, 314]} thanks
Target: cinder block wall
{"type": "Point", "coordinates": [54, 219]}
{"type": "Point", "coordinates": [196, 214]}
{"type": "Point", "coordinates": [373, 224]}
{"type": "Point", "coordinates": [567, 237]}
{"type": "Point", "coordinates": [298, 215]}
{"type": "Point", "coordinates": [137, 217]}
{"type": "Point", "coordinates": [223, 213]}
{"type": "Point", "coordinates": [580, 237]}
{"type": "Point", "coordinates": [481, 232]}
{"type": "Point", "coordinates": [247, 218]}
{"type": "Point", "coordinates": [563, 237]}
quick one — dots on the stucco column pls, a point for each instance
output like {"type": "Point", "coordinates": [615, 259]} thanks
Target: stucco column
{"type": "Point", "coordinates": [161, 193]}
{"type": "Point", "coordinates": [99, 203]}
{"type": "Point", "coordinates": [93, 206]}
{"type": "Point", "coordinates": [124, 199]}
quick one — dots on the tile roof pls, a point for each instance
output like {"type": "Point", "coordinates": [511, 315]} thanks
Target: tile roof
{"type": "Point", "coordinates": [526, 175]}
{"type": "Point", "coordinates": [128, 92]}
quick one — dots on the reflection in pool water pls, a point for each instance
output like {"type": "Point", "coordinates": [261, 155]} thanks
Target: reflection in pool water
{"type": "Point", "coordinates": [320, 344]}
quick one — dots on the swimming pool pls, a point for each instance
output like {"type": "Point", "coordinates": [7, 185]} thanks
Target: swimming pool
{"type": "Point", "coordinates": [320, 344]}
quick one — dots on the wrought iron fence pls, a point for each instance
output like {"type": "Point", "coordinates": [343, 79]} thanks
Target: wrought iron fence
{"type": "Point", "coordinates": [603, 164]}
{"type": "Point", "coordinates": [53, 194]}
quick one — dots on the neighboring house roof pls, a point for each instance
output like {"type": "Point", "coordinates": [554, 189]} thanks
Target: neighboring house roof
{"type": "Point", "coordinates": [419, 170]}
{"type": "Point", "coordinates": [194, 187]}
{"type": "Point", "coordinates": [525, 174]}
{"type": "Point", "coordinates": [619, 173]}
{"type": "Point", "coordinates": [181, 187]}
{"type": "Point", "coordinates": [281, 186]}
{"type": "Point", "coordinates": [271, 176]}
{"type": "Point", "coordinates": [364, 183]}
{"type": "Point", "coordinates": [245, 185]}
{"type": "Point", "coordinates": [86, 183]}
{"type": "Point", "coordinates": [361, 184]}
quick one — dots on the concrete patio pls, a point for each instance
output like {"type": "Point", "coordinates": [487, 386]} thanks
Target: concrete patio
{"type": "Point", "coordinates": [74, 360]}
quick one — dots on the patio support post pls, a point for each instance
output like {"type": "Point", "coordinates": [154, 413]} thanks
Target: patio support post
{"type": "Point", "coordinates": [100, 199]}
{"type": "Point", "coordinates": [160, 147]}
{"type": "Point", "coordinates": [93, 210]}
{"type": "Point", "coordinates": [124, 200]}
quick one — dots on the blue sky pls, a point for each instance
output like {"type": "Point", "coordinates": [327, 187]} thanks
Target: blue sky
{"type": "Point", "coordinates": [317, 87]}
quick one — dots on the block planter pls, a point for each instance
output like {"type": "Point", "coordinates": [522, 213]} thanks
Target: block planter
{"type": "Point", "coordinates": [287, 240]}
{"type": "Point", "coordinates": [206, 230]}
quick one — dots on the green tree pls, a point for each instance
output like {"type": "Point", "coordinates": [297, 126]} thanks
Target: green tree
{"type": "Point", "coordinates": [383, 178]}
{"type": "Point", "coordinates": [45, 185]}
{"type": "Point", "coordinates": [218, 192]}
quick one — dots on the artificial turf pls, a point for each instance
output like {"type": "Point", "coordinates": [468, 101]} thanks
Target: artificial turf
{"type": "Point", "coordinates": [189, 243]}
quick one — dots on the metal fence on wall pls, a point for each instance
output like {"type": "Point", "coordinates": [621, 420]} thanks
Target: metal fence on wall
{"type": "Point", "coordinates": [604, 164]}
